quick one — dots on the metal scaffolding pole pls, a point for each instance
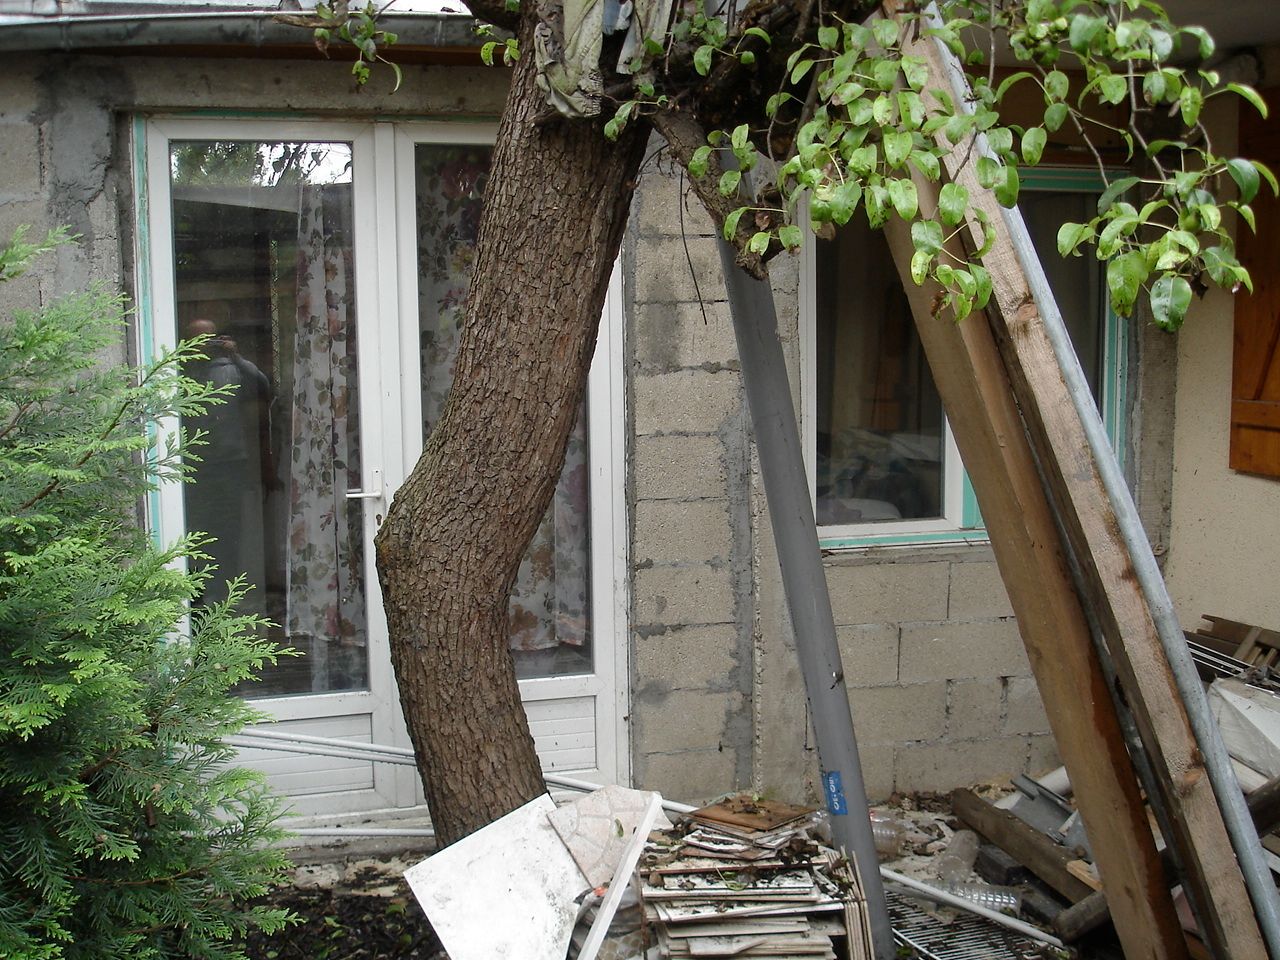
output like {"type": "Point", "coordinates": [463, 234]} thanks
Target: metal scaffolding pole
{"type": "Point", "coordinates": [777, 437]}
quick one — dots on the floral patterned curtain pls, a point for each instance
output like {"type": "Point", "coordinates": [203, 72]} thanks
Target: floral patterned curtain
{"type": "Point", "coordinates": [550, 602]}
{"type": "Point", "coordinates": [325, 590]}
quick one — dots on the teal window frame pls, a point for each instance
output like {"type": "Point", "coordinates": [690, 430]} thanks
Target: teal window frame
{"type": "Point", "coordinates": [1114, 387]}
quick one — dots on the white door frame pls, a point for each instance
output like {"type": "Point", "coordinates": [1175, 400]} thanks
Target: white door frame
{"type": "Point", "coordinates": [390, 417]}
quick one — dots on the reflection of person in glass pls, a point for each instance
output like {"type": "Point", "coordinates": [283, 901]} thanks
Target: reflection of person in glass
{"type": "Point", "coordinates": [235, 469]}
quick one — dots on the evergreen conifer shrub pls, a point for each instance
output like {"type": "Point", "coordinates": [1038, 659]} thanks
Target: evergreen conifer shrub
{"type": "Point", "coordinates": [124, 830]}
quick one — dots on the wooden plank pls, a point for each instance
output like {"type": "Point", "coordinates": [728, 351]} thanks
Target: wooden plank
{"type": "Point", "coordinates": [984, 418]}
{"type": "Point", "coordinates": [1049, 861]}
{"type": "Point", "coordinates": [1092, 912]}
{"type": "Point", "coordinates": [1213, 878]}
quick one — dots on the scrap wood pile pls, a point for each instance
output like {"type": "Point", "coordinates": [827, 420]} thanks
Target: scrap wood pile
{"type": "Point", "coordinates": [746, 878]}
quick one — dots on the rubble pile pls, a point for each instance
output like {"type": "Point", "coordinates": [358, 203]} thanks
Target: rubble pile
{"type": "Point", "coordinates": [747, 878]}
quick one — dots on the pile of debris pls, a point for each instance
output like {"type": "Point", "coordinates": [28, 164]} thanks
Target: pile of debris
{"type": "Point", "coordinates": [747, 878]}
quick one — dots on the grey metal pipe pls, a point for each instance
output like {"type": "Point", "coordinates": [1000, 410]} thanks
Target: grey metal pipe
{"type": "Point", "coordinates": [764, 376]}
{"type": "Point", "coordinates": [1235, 814]}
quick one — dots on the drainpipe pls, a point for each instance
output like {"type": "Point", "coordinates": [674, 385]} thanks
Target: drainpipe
{"type": "Point", "coordinates": [786, 486]}
{"type": "Point", "coordinates": [1235, 813]}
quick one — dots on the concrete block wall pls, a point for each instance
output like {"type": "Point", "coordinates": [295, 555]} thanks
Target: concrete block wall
{"type": "Point", "coordinates": [939, 683]}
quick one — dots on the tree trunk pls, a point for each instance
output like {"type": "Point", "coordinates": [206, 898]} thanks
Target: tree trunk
{"type": "Point", "coordinates": [554, 213]}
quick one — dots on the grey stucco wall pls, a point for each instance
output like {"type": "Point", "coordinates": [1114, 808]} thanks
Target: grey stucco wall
{"type": "Point", "coordinates": [938, 681]}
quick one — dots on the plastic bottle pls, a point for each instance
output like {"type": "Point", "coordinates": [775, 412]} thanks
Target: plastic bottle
{"type": "Point", "coordinates": [985, 895]}
{"type": "Point", "coordinates": [956, 861]}
{"type": "Point", "coordinates": [888, 836]}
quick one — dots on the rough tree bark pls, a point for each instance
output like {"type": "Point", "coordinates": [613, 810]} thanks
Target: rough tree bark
{"type": "Point", "coordinates": [555, 209]}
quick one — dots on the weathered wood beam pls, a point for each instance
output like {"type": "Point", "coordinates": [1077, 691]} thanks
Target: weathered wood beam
{"type": "Point", "coordinates": [984, 418]}
{"type": "Point", "coordinates": [1031, 848]}
{"type": "Point", "coordinates": [1213, 877]}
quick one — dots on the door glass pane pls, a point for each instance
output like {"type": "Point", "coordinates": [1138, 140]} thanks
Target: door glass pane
{"type": "Point", "coordinates": [879, 417]}
{"type": "Point", "coordinates": [551, 601]}
{"type": "Point", "coordinates": [264, 264]}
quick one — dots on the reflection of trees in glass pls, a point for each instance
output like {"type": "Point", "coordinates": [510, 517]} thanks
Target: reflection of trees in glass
{"type": "Point", "coordinates": [247, 162]}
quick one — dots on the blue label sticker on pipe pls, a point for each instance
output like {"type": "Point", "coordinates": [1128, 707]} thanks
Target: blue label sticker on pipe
{"type": "Point", "coordinates": [835, 792]}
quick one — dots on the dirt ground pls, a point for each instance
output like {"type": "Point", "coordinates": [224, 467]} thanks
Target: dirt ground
{"type": "Point", "coordinates": [346, 925]}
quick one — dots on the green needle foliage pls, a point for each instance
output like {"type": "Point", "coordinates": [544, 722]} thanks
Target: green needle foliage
{"type": "Point", "coordinates": [124, 832]}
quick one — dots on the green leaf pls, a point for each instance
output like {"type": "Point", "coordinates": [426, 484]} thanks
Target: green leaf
{"type": "Point", "coordinates": [1246, 214]}
{"type": "Point", "coordinates": [897, 147]}
{"type": "Point", "coordinates": [885, 31]}
{"type": "Point", "coordinates": [885, 74]}
{"type": "Point", "coordinates": [801, 68]}
{"type": "Point", "coordinates": [1125, 276]}
{"type": "Point", "coordinates": [1009, 81]}
{"type": "Point", "coordinates": [916, 72]}
{"type": "Point", "coordinates": [1001, 141]}
{"type": "Point", "coordinates": [1007, 188]}
{"type": "Point", "coordinates": [700, 161]}
{"type": "Point", "coordinates": [844, 201]}
{"type": "Point", "coordinates": [1113, 88]}
{"type": "Point", "coordinates": [759, 242]}
{"type": "Point", "coordinates": [731, 223]}
{"type": "Point", "coordinates": [902, 193]}
{"type": "Point", "coordinates": [702, 59]}
{"type": "Point", "coordinates": [791, 236]}
{"type": "Point", "coordinates": [1056, 85]}
{"type": "Point", "coordinates": [983, 280]}
{"type": "Point", "coordinates": [926, 163]}
{"type": "Point", "coordinates": [926, 235]}
{"type": "Point", "coordinates": [738, 139]}
{"type": "Point", "coordinates": [758, 32]}
{"type": "Point", "coordinates": [1033, 144]}
{"type": "Point", "coordinates": [1154, 86]}
{"type": "Point", "coordinates": [1206, 41]}
{"type": "Point", "coordinates": [1251, 95]}
{"type": "Point", "coordinates": [1084, 30]}
{"type": "Point", "coordinates": [1170, 298]}
{"type": "Point", "coordinates": [1190, 102]}
{"type": "Point", "coordinates": [729, 181]}
{"type": "Point", "coordinates": [1267, 175]}
{"type": "Point", "coordinates": [920, 263]}
{"type": "Point", "coordinates": [1055, 115]}
{"type": "Point", "coordinates": [988, 171]}
{"type": "Point", "coordinates": [953, 199]}
{"type": "Point", "coordinates": [1245, 174]}
{"type": "Point", "coordinates": [911, 109]}
{"type": "Point", "coordinates": [828, 37]}
{"type": "Point", "coordinates": [1113, 191]}
{"type": "Point", "coordinates": [747, 58]}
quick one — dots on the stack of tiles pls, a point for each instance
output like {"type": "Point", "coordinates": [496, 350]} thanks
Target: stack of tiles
{"type": "Point", "coordinates": [744, 878]}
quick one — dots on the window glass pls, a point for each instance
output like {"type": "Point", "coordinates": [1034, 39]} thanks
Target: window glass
{"type": "Point", "coordinates": [264, 266]}
{"type": "Point", "coordinates": [879, 434]}
{"type": "Point", "coordinates": [879, 423]}
{"type": "Point", "coordinates": [550, 610]}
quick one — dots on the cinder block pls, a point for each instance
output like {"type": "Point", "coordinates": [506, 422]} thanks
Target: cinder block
{"type": "Point", "coordinates": [1025, 712]}
{"type": "Point", "coordinates": [663, 273]}
{"type": "Point", "coordinates": [662, 200]}
{"type": "Point", "coordinates": [679, 468]}
{"type": "Point", "coordinates": [675, 336]}
{"type": "Point", "coordinates": [691, 595]}
{"type": "Point", "coordinates": [869, 652]}
{"type": "Point", "coordinates": [686, 402]}
{"type": "Point", "coordinates": [940, 767]}
{"type": "Point", "coordinates": [977, 592]}
{"type": "Point", "coordinates": [685, 720]}
{"type": "Point", "coordinates": [1042, 755]}
{"type": "Point", "coordinates": [680, 531]}
{"type": "Point", "coordinates": [19, 161]}
{"type": "Point", "coordinates": [690, 777]}
{"type": "Point", "coordinates": [973, 708]}
{"type": "Point", "coordinates": [877, 769]}
{"type": "Point", "coordinates": [899, 714]}
{"type": "Point", "coordinates": [688, 658]}
{"type": "Point", "coordinates": [958, 651]}
{"type": "Point", "coordinates": [888, 592]}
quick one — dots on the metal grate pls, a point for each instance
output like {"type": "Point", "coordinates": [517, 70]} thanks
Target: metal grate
{"type": "Point", "coordinates": [968, 937]}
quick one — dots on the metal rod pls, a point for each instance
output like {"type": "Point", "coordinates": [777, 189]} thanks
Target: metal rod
{"type": "Point", "coordinates": [362, 831]}
{"type": "Point", "coordinates": [1235, 815]}
{"type": "Point", "coordinates": [764, 376]}
{"type": "Point", "coordinates": [951, 900]}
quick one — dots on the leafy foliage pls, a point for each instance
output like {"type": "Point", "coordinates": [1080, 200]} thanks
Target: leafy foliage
{"type": "Point", "coordinates": [871, 127]}
{"type": "Point", "coordinates": [123, 831]}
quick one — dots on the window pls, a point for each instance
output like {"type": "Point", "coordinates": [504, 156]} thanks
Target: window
{"type": "Point", "coordinates": [884, 467]}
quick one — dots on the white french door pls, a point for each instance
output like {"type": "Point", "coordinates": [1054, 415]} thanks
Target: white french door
{"type": "Point", "coordinates": [327, 263]}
